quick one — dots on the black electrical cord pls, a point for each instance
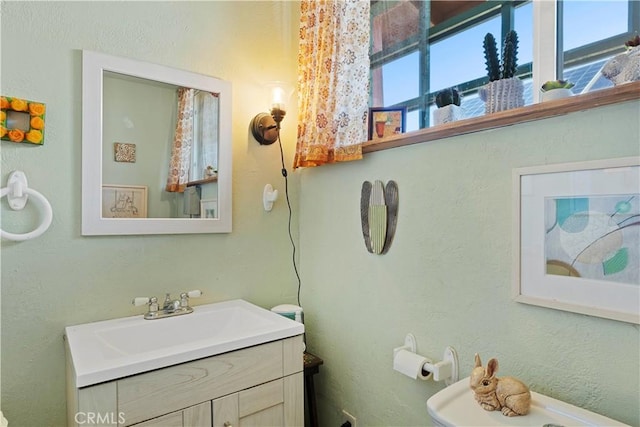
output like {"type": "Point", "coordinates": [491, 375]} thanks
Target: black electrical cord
{"type": "Point", "coordinates": [286, 192]}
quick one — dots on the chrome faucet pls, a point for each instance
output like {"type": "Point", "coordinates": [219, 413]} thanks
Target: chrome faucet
{"type": "Point", "coordinates": [169, 308]}
{"type": "Point", "coordinates": [170, 305]}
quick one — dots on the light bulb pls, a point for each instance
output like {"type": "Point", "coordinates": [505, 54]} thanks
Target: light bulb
{"type": "Point", "coordinates": [265, 127]}
{"type": "Point", "coordinates": [279, 94]}
{"type": "Point", "coordinates": [277, 98]}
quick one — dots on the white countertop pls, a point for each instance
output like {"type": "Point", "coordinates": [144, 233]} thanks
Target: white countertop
{"type": "Point", "coordinates": [112, 349]}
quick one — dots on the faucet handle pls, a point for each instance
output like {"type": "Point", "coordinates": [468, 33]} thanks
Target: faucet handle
{"type": "Point", "coordinates": [152, 302]}
{"type": "Point", "coordinates": [184, 297]}
{"type": "Point", "coordinates": [137, 301]}
{"type": "Point", "coordinates": [194, 294]}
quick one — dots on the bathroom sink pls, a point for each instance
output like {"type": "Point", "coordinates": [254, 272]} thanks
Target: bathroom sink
{"type": "Point", "coordinates": [111, 349]}
{"type": "Point", "coordinates": [456, 406]}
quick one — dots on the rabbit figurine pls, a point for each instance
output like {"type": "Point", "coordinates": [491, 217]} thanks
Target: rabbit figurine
{"type": "Point", "coordinates": [508, 394]}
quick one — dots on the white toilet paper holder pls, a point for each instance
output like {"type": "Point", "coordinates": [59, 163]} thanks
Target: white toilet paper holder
{"type": "Point", "coordinates": [409, 345]}
{"type": "Point", "coordinates": [446, 370]}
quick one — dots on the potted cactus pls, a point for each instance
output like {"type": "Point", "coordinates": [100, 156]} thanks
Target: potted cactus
{"type": "Point", "coordinates": [556, 89]}
{"type": "Point", "coordinates": [504, 90]}
{"type": "Point", "coordinates": [625, 67]}
{"type": "Point", "coordinates": [448, 103]}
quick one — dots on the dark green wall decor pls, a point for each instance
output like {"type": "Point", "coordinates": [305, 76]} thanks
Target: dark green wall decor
{"type": "Point", "coordinates": [379, 215]}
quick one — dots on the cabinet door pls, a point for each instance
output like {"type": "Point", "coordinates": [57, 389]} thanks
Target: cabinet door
{"type": "Point", "coordinates": [194, 416]}
{"type": "Point", "coordinates": [225, 414]}
{"type": "Point", "coordinates": [197, 415]}
{"type": "Point", "coordinates": [225, 411]}
{"type": "Point", "coordinates": [170, 420]}
{"type": "Point", "coordinates": [268, 417]}
{"type": "Point", "coordinates": [260, 406]}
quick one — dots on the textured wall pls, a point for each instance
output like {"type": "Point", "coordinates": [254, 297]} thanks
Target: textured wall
{"type": "Point", "coordinates": [143, 114]}
{"type": "Point", "coordinates": [447, 276]}
{"type": "Point", "coordinates": [63, 278]}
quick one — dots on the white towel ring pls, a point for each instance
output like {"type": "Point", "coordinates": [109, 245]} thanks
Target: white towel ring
{"type": "Point", "coordinates": [17, 192]}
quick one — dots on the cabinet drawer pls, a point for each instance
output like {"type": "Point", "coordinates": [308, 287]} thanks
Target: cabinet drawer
{"type": "Point", "coordinates": [170, 389]}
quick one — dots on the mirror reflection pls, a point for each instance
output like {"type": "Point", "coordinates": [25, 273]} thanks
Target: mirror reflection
{"type": "Point", "coordinates": [141, 133]}
{"type": "Point", "coordinates": [156, 149]}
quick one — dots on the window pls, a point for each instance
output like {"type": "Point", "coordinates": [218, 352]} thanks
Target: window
{"type": "Point", "coordinates": [419, 48]}
{"type": "Point", "coordinates": [584, 53]}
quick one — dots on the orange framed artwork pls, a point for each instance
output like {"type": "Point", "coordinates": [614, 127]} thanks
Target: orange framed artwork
{"type": "Point", "coordinates": [21, 120]}
{"type": "Point", "coordinates": [384, 122]}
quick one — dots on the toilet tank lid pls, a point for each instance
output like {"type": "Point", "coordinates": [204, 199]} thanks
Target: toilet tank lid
{"type": "Point", "coordinates": [456, 406]}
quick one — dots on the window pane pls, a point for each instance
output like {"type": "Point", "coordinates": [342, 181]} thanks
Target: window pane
{"type": "Point", "coordinates": [523, 24]}
{"type": "Point", "coordinates": [413, 121]}
{"type": "Point", "coordinates": [397, 80]}
{"type": "Point", "coordinates": [586, 77]}
{"type": "Point", "coordinates": [585, 22]}
{"type": "Point", "coordinates": [460, 58]}
{"type": "Point", "coordinates": [603, 19]}
{"type": "Point", "coordinates": [393, 22]}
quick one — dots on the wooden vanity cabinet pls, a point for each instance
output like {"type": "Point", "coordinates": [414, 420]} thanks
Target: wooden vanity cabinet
{"type": "Point", "coordinates": [198, 415]}
{"type": "Point", "coordinates": [255, 386]}
{"type": "Point", "coordinates": [276, 403]}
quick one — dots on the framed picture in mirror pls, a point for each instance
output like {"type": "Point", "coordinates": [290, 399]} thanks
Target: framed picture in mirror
{"type": "Point", "coordinates": [124, 201]}
{"type": "Point", "coordinates": [124, 152]}
{"type": "Point", "coordinates": [208, 208]}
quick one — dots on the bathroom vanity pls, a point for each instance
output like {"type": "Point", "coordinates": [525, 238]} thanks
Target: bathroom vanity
{"type": "Point", "coordinates": [248, 372]}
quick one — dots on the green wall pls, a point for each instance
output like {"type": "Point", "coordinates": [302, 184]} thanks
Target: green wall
{"type": "Point", "coordinates": [63, 278]}
{"type": "Point", "coordinates": [447, 277]}
{"type": "Point", "coordinates": [142, 113]}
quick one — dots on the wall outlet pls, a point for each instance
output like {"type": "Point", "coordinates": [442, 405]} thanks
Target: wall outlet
{"type": "Point", "coordinates": [348, 417]}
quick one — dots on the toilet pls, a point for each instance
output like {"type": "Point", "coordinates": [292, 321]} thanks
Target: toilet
{"type": "Point", "coordinates": [455, 406]}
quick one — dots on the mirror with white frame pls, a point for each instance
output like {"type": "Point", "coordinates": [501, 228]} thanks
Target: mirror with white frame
{"type": "Point", "coordinates": [156, 149]}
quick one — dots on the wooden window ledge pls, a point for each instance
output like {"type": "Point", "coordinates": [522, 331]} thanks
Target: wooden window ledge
{"type": "Point", "coordinates": [542, 110]}
{"type": "Point", "coordinates": [203, 181]}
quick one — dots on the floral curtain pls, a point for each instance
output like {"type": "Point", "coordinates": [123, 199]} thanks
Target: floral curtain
{"type": "Point", "coordinates": [333, 81]}
{"type": "Point", "coordinates": [182, 142]}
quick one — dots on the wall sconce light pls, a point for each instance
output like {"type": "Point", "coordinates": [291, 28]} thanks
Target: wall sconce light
{"type": "Point", "coordinates": [265, 127]}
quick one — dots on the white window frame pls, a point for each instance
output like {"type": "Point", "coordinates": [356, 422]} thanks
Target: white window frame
{"type": "Point", "coordinates": [545, 46]}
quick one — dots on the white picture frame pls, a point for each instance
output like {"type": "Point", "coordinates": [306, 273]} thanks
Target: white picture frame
{"type": "Point", "coordinates": [574, 248]}
{"type": "Point", "coordinates": [124, 201]}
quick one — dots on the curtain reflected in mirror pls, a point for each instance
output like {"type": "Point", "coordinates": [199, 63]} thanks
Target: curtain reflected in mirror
{"type": "Point", "coordinates": [178, 174]}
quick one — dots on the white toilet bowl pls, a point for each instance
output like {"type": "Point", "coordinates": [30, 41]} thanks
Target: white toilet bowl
{"type": "Point", "coordinates": [455, 406]}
